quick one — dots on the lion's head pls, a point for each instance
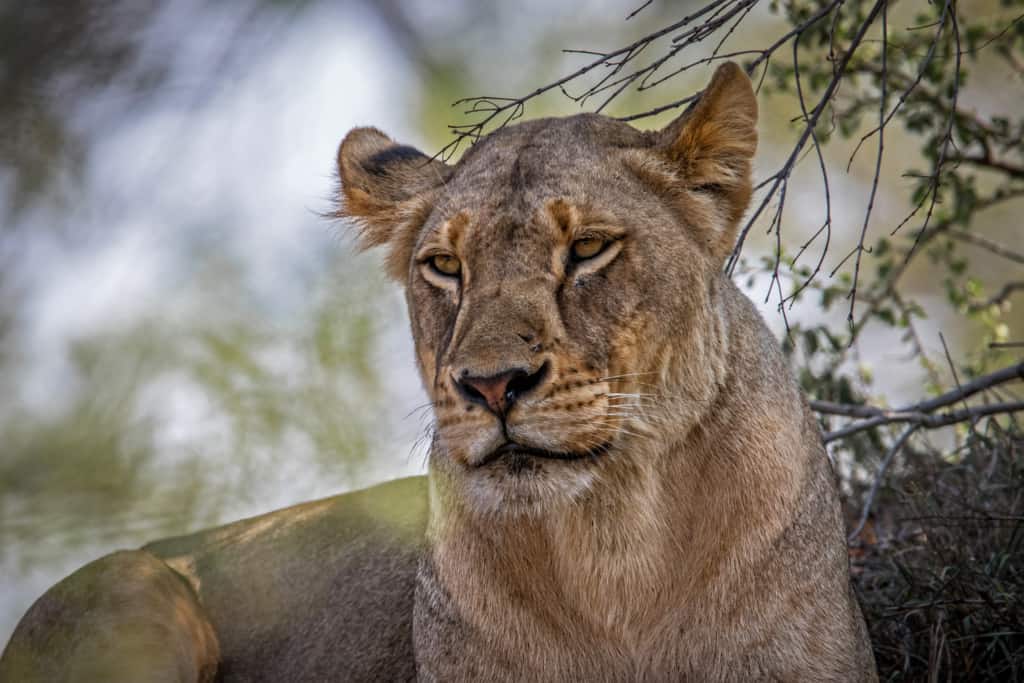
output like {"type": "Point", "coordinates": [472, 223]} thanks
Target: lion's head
{"type": "Point", "coordinates": [559, 280]}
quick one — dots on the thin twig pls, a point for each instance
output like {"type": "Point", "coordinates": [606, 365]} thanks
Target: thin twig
{"type": "Point", "coordinates": [877, 482]}
{"type": "Point", "coordinates": [956, 379]}
{"type": "Point", "coordinates": [941, 23]}
{"type": "Point", "coordinates": [782, 175]}
{"type": "Point", "coordinates": [987, 244]}
{"type": "Point", "coordinates": [947, 138]}
{"type": "Point", "coordinates": [638, 10]}
{"type": "Point", "coordinates": [878, 167]}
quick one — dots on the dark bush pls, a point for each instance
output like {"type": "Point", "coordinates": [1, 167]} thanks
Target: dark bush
{"type": "Point", "coordinates": [940, 567]}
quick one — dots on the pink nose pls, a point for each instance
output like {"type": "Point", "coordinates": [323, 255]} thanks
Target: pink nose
{"type": "Point", "coordinates": [492, 389]}
{"type": "Point", "coordinates": [499, 392]}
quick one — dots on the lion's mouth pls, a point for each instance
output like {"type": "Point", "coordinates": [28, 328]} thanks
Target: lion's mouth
{"type": "Point", "coordinates": [514, 450]}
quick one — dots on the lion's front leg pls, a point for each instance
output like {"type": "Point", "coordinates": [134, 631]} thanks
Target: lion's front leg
{"type": "Point", "coordinates": [124, 617]}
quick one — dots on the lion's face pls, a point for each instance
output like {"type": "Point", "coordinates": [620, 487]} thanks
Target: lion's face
{"type": "Point", "coordinates": [556, 278]}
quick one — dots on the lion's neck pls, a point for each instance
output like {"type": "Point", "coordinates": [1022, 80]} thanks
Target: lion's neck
{"type": "Point", "coordinates": [569, 569]}
{"type": "Point", "coordinates": [618, 564]}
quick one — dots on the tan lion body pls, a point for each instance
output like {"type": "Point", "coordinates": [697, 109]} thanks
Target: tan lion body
{"type": "Point", "coordinates": [625, 482]}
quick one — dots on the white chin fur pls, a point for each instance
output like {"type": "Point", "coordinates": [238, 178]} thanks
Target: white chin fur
{"type": "Point", "coordinates": [500, 492]}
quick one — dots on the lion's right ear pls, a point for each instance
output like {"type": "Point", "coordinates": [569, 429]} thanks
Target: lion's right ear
{"type": "Point", "coordinates": [388, 189]}
{"type": "Point", "coordinates": [711, 146]}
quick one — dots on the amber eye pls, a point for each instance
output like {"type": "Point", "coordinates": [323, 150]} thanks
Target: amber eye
{"type": "Point", "coordinates": [446, 264]}
{"type": "Point", "coordinates": [588, 247]}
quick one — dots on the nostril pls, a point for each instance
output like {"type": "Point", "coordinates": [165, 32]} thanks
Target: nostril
{"type": "Point", "coordinates": [470, 392]}
{"type": "Point", "coordinates": [523, 382]}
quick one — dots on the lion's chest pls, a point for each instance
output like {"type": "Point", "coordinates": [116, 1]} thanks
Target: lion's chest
{"type": "Point", "coordinates": [509, 635]}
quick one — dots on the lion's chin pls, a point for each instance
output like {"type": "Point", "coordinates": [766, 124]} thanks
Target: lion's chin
{"type": "Point", "coordinates": [523, 481]}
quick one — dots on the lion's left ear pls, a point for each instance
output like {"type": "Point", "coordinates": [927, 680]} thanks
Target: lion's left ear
{"type": "Point", "coordinates": [389, 189]}
{"type": "Point", "coordinates": [712, 144]}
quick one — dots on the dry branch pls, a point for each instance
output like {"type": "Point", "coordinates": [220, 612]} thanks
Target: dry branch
{"type": "Point", "coordinates": [926, 414]}
{"type": "Point", "coordinates": [987, 244]}
{"type": "Point", "coordinates": [877, 481]}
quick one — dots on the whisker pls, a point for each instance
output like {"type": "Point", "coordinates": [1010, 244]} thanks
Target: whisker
{"type": "Point", "coordinates": [606, 425]}
{"type": "Point", "coordinates": [419, 408]}
{"type": "Point", "coordinates": [628, 374]}
{"type": "Point", "coordinates": [649, 403]}
{"type": "Point", "coordinates": [426, 436]}
{"type": "Point", "coordinates": [589, 411]}
{"type": "Point", "coordinates": [650, 385]}
{"type": "Point", "coordinates": [582, 414]}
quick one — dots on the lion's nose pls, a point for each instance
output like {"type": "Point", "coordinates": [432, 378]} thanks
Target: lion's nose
{"type": "Point", "coordinates": [499, 392]}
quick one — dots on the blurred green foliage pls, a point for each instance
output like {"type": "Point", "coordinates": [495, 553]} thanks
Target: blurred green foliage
{"type": "Point", "coordinates": [98, 467]}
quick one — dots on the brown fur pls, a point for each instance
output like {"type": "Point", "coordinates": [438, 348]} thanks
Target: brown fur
{"type": "Point", "coordinates": [667, 511]}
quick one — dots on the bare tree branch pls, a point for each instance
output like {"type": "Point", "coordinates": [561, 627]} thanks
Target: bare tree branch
{"type": "Point", "coordinates": [987, 244]}
{"type": "Point", "coordinates": [989, 162]}
{"type": "Point", "coordinates": [926, 420]}
{"type": "Point", "coordinates": [923, 414]}
{"type": "Point", "coordinates": [935, 180]}
{"type": "Point", "coordinates": [859, 249]}
{"type": "Point", "coordinates": [500, 111]}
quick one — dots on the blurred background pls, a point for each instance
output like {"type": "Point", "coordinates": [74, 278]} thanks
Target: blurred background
{"type": "Point", "coordinates": [185, 340]}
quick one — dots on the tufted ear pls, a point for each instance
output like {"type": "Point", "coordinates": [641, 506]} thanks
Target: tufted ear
{"type": "Point", "coordinates": [711, 145]}
{"type": "Point", "coordinates": [389, 190]}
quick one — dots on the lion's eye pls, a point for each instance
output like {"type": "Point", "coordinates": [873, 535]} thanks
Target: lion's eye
{"type": "Point", "coordinates": [446, 264]}
{"type": "Point", "coordinates": [588, 247]}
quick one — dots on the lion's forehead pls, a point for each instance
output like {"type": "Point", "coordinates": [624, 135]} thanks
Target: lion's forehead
{"type": "Point", "coordinates": [543, 156]}
{"type": "Point", "coordinates": [517, 179]}
{"type": "Point", "coordinates": [583, 134]}
{"type": "Point", "coordinates": [500, 197]}
{"type": "Point", "coordinates": [495, 208]}
{"type": "Point", "coordinates": [505, 245]}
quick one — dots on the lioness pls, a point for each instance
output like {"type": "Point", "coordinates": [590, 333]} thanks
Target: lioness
{"type": "Point", "coordinates": [625, 482]}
